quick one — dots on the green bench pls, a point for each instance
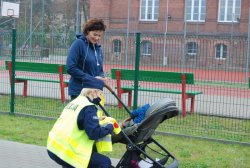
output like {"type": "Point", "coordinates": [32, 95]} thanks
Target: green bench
{"type": "Point", "coordinates": [156, 77]}
{"type": "Point", "coordinates": [35, 70]}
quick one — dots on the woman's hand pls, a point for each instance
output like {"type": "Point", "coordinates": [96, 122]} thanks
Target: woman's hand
{"type": "Point", "coordinates": [105, 80]}
{"type": "Point", "coordinates": [101, 78]}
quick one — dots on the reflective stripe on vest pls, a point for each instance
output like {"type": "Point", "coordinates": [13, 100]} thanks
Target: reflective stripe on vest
{"type": "Point", "coordinates": [100, 112]}
{"type": "Point", "coordinates": [104, 144]}
{"type": "Point", "coordinates": [66, 140]}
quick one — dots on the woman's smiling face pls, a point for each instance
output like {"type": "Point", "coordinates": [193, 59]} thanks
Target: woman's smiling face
{"type": "Point", "coordinates": [94, 36]}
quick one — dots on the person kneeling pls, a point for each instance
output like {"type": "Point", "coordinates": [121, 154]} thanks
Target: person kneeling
{"type": "Point", "coordinates": [71, 140]}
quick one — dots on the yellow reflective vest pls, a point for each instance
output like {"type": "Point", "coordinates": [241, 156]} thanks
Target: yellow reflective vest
{"type": "Point", "coordinates": [100, 112]}
{"type": "Point", "coordinates": [65, 139]}
{"type": "Point", "coordinates": [104, 144]}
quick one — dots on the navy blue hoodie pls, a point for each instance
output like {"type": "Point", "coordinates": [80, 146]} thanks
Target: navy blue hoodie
{"type": "Point", "coordinates": [84, 63]}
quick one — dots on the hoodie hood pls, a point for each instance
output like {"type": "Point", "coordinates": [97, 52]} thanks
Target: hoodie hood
{"type": "Point", "coordinates": [84, 38]}
{"type": "Point", "coordinates": [81, 36]}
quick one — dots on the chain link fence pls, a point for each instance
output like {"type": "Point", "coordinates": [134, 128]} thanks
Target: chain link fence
{"type": "Point", "coordinates": [219, 62]}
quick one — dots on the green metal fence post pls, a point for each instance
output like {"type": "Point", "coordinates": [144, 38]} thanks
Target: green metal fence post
{"type": "Point", "coordinates": [12, 101]}
{"type": "Point", "coordinates": [137, 65]}
{"type": "Point", "coordinates": [249, 82]}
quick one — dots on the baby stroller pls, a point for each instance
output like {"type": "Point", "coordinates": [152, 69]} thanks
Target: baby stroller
{"type": "Point", "coordinates": [138, 137]}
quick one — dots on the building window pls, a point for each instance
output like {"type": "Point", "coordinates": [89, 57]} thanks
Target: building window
{"type": "Point", "coordinates": [117, 46]}
{"type": "Point", "coordinates": [196, 10]}
{"type": "Point", "coordinates": [146, 48]}
{"type": "Point", "coordinates": [229, 10]}
{"type": "Point", "coordinates": [149, 10]}
{"type": "Point", "coordinates": [192, 49]}
{"type": "Point", "coordinates": [221, 51]}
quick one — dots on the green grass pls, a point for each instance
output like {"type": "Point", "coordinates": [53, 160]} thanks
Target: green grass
{"type": "Point", "coordinates": [210, 127]}
{"type": "Point", "coordinates": [191, 153]}
{"type": "Point", "coordinates": [35, 106]}
{"type": "Point", "coordinates": [222, 84]}
{"type": "Point", "coordinates": [194, 125]}
{"type": "Point", "coordinates": [201, 125]}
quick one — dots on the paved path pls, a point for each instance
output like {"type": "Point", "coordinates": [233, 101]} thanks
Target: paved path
{"type": "Point", "coordinates": [19, 155]}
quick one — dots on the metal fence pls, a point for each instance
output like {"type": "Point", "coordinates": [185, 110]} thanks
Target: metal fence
{"type": "Point", "coordinates": [219, 63]}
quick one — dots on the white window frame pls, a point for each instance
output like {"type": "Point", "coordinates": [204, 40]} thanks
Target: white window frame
{"type": "Point", "coordinates": [194, 49]}
{"type": "Point", "coordinates": [223, 49]}
{"type": "Point", "coordinates": [146, 48]}
{"type": "Point", "coordinates": [199, 12]}
{"type": "Point", "coordinates": [146, 12]}
{"type": "Point", "coordinates": [117, 49]}
{"type": "Point", "coordinates": [235, 16]}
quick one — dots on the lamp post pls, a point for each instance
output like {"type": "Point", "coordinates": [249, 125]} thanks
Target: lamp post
{"type": "Point", "coordinates": [165, 57]}
{"type": "Point", "coordinates": [127, 37]}
{"type": "Point", "coordinates": [185, 38]}
{"type": "Point", "coordinates": [248, 47]}
{"type": "Point", "coordinates": [77, 17]}
{"type": "Point", "coordinates": [31, 24]}
{"type": "Point", "coordinates": [43, 25]}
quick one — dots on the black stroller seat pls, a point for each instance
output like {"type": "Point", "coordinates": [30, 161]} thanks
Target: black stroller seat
{"type": "Point", "coordinates": [137, 137]}
{"type": "Point", "coordinates": [156, 114]}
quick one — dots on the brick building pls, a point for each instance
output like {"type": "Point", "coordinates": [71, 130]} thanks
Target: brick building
{"type": "Point", "coordinates": [214, 31]}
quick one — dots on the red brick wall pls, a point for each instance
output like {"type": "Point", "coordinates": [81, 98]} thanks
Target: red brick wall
{"type": "Point", "coordinates": [115, 13]}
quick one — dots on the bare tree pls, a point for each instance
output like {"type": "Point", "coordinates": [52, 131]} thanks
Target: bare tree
{"type": "Point", "coordinates": [85, 8]}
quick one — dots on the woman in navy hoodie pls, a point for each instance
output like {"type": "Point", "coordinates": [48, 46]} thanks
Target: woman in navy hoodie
{"type": "Point", "coordinates": [85, 57]}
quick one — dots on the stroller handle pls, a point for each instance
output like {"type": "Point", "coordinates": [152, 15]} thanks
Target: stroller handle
{"type": "Point", "coordinates": [112, 91]}
{"type": "Point", "coordinates": [109, 88]}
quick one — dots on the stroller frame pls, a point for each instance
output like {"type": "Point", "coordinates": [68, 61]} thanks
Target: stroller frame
{"type": "Point", "coordinates": [133, 150]}
{"type": "Point", "coordinates": [138, 141]}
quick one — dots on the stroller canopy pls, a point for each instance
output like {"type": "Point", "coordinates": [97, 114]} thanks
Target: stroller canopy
{"type": "Point", "coordinates": [156, 114]}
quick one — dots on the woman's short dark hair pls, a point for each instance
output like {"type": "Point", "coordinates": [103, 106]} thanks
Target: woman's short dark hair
{"type": "Point", "coordinates": [93, 24]}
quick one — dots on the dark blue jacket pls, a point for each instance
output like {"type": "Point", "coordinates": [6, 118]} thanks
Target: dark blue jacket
{"type": "Point", "coordinates": [84, 63]}
{"type": "Point", "coordinates": [87, 120]}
